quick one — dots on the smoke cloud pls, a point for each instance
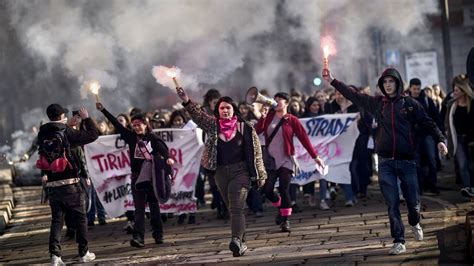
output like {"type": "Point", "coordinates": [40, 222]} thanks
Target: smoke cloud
{"type": "Point", "coordinates": [230, 45]}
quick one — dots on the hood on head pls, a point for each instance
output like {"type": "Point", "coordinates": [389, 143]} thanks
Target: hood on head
{"type": "Point", "coordinates": [392, 72]}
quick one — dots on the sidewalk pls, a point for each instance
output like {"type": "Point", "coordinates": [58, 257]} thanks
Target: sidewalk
{"type": "Point", "coordinates": [342, 235]}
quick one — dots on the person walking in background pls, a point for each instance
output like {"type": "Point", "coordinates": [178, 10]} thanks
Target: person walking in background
{"type": "Point", "coordinates": [458, 122]}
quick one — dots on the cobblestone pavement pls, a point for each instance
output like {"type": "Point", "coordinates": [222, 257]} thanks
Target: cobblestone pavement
{"type": "Point", "coordinates": [341, 235]}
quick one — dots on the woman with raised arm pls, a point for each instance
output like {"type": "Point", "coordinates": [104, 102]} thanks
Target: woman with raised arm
{"type": "Point", "coordinates": [143, 146]}
{"type": "Point", "coordinates": [233, 151]}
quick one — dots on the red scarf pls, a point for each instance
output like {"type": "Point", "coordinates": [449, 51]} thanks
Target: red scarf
{"type": "Point", "coordinates": [228, 126]}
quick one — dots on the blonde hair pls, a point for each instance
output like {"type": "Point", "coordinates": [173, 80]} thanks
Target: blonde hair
{"type": "Point", "coordinates": [464, 85]}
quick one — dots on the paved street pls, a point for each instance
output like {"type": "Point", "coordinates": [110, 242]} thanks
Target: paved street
{"type": "Point", "coordinates": [338, 236]}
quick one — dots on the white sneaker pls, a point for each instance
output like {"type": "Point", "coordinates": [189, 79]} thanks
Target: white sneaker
{"type": "Point", "coordinates": [350, 203]}
{"type": "Point", "coordinates": [397, 248]}
{"type": "Point", "coordinates": [467, 192]}
{"type": "Point", "coordinates": [417, 232]}
{"type": "Point", "coordinates": [55, 260]}
{"type": "Point", "coordinates": [323, 205]}
{"type": "Point", "coordinates": [88, 257]}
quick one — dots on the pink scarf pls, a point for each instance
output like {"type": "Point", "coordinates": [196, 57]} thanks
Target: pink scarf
{"type": "Point", "coordinates": [228, 126]}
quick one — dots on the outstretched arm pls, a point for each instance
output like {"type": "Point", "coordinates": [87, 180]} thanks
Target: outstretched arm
{"type": "Point", "coordinates": [125, 133]}
{"type": "Point", "coordinates": [364, 101]}
{"type": "Point", "coordinates": [202, 119]}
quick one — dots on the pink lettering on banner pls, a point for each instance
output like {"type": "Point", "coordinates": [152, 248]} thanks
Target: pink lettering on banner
{"type": "Point", "coordinates": [112, 161]}
{"type": "Point", "coordinates": [105, 183]}
{"type": "Point", "coordinates": [180, 207]}
{"type": "Point", "coordinates": [177, 155]}
{"type": "Point", "coordinates": [330, 150]}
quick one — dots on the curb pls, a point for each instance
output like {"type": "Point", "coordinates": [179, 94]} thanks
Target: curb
{"type": "Point", "coordinates": [7, 202]}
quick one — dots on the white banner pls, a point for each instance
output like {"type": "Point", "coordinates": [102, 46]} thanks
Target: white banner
{"type": "Point", "coordinates": [108, 163]}
{"type": "Point", "coordinates": [333, 136]}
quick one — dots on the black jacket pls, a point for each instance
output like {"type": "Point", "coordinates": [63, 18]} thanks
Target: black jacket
{"type": "Point", "coordinates": [396, 117]}
{"type": "Point", "coordinates": [131, 138]}
{"type": "Point", "coordinates": [431, 110]}
{"type": "Point", "coordinates": [75, 138]}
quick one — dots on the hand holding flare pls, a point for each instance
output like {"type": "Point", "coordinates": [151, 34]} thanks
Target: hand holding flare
{"type": "Point", "coordinates": [329, 48]}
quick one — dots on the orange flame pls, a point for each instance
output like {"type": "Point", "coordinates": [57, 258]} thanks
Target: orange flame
{"type": "Point", "coordinates": [328, 46]}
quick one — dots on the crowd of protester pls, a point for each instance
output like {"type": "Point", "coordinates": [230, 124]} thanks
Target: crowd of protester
{"type": "Point", "coordinates": [449, 111]}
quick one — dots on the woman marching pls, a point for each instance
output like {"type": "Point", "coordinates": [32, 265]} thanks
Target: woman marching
{"type": "Point", "coordinates": [233, 152]}
{"type": "Point", "coordinates": [280, 126]}
{"type": "Point", "coordinates": [140, 138]}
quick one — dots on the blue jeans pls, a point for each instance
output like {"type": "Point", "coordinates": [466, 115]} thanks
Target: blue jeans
{"type": "Point", "coordinates": [463, 160]}
{"type": "Point", "coordinates": [405, 170]}
{"type": "Point", "coordinates": [95, 206]}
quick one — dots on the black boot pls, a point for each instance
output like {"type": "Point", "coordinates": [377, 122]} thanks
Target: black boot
{"type": "Point", "coordinates": [285, 225]}
{"type": "Point", "coordinates": [181, 218]}
{"type": "Point", "coordinates": [278, 218]}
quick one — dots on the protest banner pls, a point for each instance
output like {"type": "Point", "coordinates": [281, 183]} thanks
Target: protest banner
{"type": "Point", "coordinates": [108, 163]}
{"type": "Point", "coordinates": [333, 136]}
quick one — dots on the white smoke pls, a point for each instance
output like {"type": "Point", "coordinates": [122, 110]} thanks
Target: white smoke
{"type": "Point", "coordinates": [118, 42]}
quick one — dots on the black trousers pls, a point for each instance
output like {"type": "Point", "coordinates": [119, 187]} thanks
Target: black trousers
{"type": "Point", "coordinates": [140, 198]}
{"type": "Point", "coordinates": [67, 200]}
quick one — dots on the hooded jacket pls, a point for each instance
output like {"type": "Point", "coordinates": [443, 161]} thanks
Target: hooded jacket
{"type": "Point", "coordinates": [396, 116]}
{"type": "Point", "coordinates": [74, 138]}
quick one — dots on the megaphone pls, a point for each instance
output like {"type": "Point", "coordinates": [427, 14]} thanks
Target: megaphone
{"type": "Point", "coordinates": [253, 96]}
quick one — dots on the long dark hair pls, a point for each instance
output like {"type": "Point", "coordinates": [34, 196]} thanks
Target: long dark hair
{"type": "Point", "coordinates": [228, 100]}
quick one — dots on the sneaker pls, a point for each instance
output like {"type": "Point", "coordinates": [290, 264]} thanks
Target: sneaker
{"type": "Point", "coordinates": [467, 192]}
{"type": "Point", "coordinates": [88, 257]}
{"type": "Point", "coordinates": [418, 232]}
{"type": "Point", "coordinates": [350, 203]}
{"type": "Point", "coordinates": [129, 227]}
{"type": "Point", "coordinates": [55, 260]}
{"type": "Point", "coordinates": [323, 205]}
{"type": "Point", "coordinates": [159, 240]}
{"type": "Point", "coordinates": [258, 214]}
{"type": "Point", "coordinates": [285, 226]}
{"type": "Point", "coordinates": [397, 248]}
{"type": "Point", "coordinates": [102, 222]}
{"type": "Point", "coordinates": [402, 199]}
{"type": "Point", "coordinates": [237, 247]}
{"type": "Point", "coordinates": [137, 243]}
{"type": "Point", "coordinates": [90, 223]}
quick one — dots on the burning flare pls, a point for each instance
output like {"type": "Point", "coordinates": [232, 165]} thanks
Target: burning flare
{"type": "Point", "coordinates": [94, 87]}
{"type": "Point", "coordinates": [163, 74]}
{"type": "Point", "coordinates": [329, 48]}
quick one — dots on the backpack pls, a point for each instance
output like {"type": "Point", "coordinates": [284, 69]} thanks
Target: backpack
{"type": "Point", "coordinates": [54, 152]}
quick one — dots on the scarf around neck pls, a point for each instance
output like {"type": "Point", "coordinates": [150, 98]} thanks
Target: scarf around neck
{"type": "Point", "coordinates": [228, 126]}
